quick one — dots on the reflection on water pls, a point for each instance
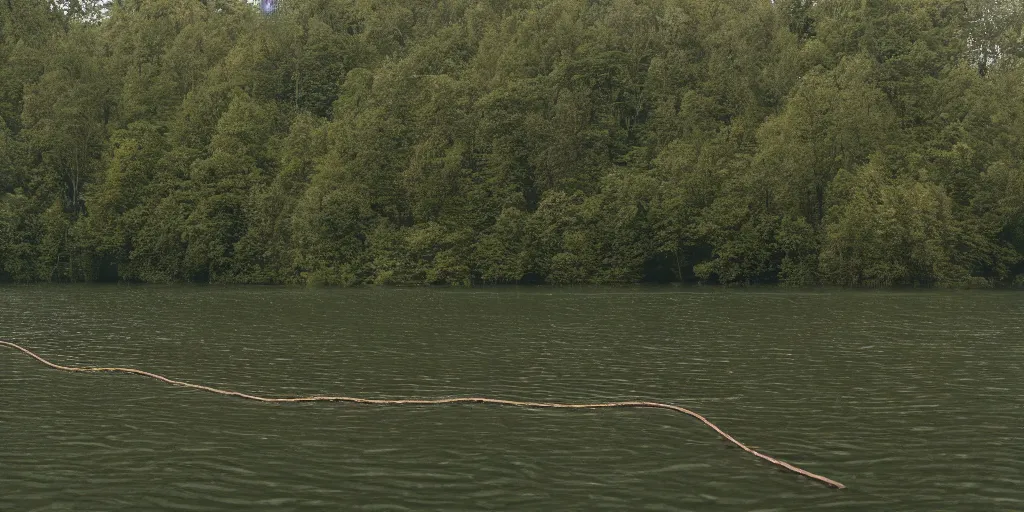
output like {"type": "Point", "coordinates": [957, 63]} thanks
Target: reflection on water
{"type": "Point", "coordinates": [913, 400]}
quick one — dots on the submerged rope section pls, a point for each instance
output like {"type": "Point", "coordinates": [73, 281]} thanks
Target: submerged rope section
{"type": "Point", "coordinates": [439, 401]}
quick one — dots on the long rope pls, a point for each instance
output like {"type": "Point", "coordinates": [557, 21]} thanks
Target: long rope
{"type": "Point", "coordinates": [377, 401]}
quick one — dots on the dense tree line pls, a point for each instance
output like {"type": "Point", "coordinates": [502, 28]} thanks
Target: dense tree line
{"type": "Point", "coordinates": [847, 142]}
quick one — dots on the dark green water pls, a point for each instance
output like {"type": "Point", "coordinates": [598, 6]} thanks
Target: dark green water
{"type": "Point", "coordinates": [914, 400]}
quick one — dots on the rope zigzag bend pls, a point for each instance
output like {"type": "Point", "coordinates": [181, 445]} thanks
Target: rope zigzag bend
{"type": "Point", "coordinates": [439, 401]}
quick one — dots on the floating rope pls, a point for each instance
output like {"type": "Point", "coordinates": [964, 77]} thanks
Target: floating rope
{"type": "Point", "coordinates": [377, 401]}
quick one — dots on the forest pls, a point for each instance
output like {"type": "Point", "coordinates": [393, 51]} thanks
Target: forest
{"type": "Point", "coordinates": [857, 143]}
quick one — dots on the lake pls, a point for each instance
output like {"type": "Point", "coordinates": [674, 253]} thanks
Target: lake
{"type": "Point", "coordinates": [912, 399]}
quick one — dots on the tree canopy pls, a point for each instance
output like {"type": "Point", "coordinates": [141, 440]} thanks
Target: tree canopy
{"type": "Point", "coordinates": [846, 142]}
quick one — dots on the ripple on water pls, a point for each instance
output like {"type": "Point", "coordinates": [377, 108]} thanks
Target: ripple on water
{"type": "Point", "coordinates": [911, 399]}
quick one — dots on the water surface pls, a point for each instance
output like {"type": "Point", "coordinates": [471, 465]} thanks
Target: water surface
{"type": "Point", "coordinates": [914, 400]}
